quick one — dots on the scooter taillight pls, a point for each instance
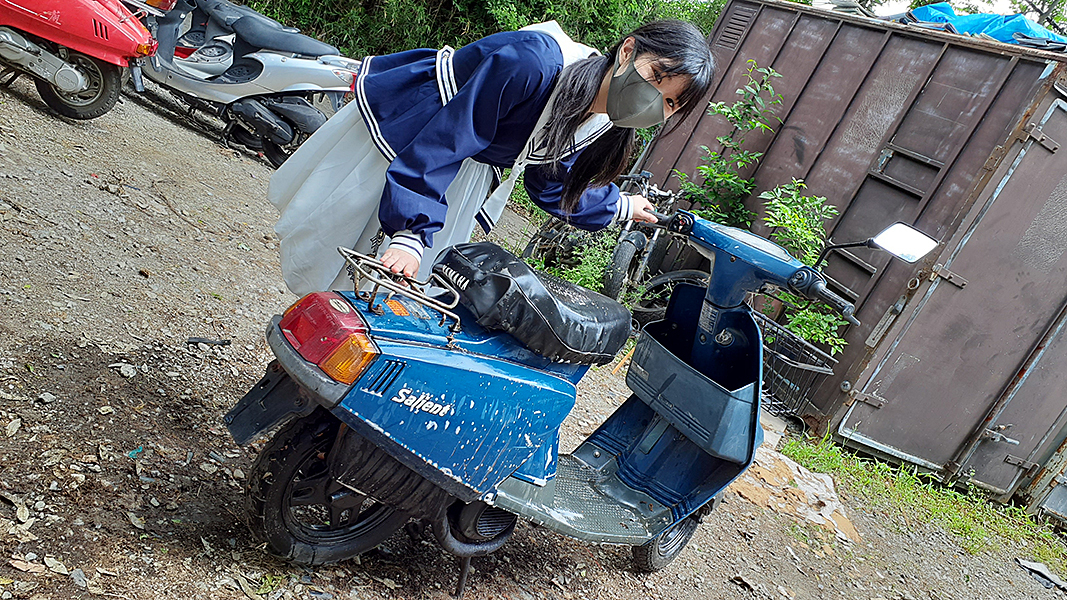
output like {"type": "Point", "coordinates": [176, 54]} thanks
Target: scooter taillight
{"type": "Point", "coordinates": [161, 4]}
{"type": "Point", "coordinates": [325, 330]}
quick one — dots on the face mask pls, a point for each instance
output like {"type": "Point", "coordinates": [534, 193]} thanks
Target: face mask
{"type": "Point", "coordinates": [633, 101]}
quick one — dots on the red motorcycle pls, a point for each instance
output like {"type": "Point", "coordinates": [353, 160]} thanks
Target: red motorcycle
{"type": "Point", "coordinates": [75, 50]}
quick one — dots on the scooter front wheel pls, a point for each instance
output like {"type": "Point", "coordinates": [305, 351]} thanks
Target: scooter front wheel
{"type": "Point", "coordinates": [104, 83]}
{"type": "Point", "coordinates": [302, 513]}
{"type": "Point", "coordinates": [659, 552]}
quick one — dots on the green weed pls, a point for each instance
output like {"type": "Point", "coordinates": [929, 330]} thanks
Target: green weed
{"type": "Point", "coordinates": [913, 497]}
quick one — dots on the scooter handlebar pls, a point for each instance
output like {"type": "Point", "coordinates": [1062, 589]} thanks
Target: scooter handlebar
{"type": "Point", "coordinates": [847, 310]}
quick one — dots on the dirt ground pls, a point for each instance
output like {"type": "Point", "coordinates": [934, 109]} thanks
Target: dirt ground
{"type": "Point", "coordinates": [121, 238]}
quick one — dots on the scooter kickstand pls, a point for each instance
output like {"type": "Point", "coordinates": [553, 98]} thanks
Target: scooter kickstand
{"type": "Point", "coordinates": [464, 569]}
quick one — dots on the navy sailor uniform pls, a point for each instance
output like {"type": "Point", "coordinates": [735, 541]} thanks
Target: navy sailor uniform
{"type": "Point", "coordinates": [429, 112]}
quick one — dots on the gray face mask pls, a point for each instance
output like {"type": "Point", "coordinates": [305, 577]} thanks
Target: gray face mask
{"type": "Point", "coordinates": [633, 101]}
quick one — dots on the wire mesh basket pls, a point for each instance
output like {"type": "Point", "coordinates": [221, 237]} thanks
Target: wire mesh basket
{"type": "Point", "coordinates": [792, 368]}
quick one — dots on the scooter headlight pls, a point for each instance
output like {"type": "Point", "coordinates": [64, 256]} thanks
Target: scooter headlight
{"type": "Point", "coordinates": [325, 330]}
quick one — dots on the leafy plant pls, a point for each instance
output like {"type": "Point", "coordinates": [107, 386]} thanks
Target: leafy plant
{"type": "Point", "coordinates": [594, 257]}
{"type": "Point", "coordinates": [798, 226]}
{"type": "Point", "coordinates": [723, 188]}
{"type": "Point", "coordinates": [797, 220]}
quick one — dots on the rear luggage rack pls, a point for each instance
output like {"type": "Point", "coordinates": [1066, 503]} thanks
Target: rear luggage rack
{"type": "Point", "coordinates": [367, 268]}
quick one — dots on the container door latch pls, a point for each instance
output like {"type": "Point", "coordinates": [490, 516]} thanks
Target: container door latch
{"type": "Point", "coordinates": [1032, 131]}
{"type": "Point", "coordinates": [943, 272]}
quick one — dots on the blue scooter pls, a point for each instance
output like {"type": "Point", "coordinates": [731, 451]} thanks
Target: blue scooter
{"type": "Point", "coordinates": [441, 401]}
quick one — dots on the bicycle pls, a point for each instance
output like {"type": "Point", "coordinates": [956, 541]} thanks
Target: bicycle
{"type": "Point", "coordinates": [639, 246]}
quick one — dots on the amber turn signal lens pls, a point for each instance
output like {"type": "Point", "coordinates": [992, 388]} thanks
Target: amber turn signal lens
{"type": "Point", "coordinates": [348, 361]}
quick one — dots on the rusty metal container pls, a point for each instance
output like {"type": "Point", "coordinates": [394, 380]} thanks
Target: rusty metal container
{"type": "Point", "coordinates": [960, 360]}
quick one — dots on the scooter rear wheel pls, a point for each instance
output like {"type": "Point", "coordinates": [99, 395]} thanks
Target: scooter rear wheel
{"type": "Point", "coordinates": [105, 84]}
{"type": "Point", "coordinates": [278, 154]}
{"type": "Point", "coordinates": [302, 513]}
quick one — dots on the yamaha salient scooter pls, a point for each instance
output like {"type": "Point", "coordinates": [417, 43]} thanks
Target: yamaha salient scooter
{"type": "Point", "coordinates": [259, 77]}
{"type": "Point", "coordinates": [446, 408]}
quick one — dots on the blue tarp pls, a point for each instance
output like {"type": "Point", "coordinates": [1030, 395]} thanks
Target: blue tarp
{"type": "Point", "coordinates": [999, 27]}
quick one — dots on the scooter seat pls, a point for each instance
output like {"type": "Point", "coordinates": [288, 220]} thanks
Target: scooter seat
{"type": "Point", "coordinates": [227, 13]}
{"type": "Point", "coordinates": [261, 34]}
{"type": "Point", "coordinates": [554, 318]}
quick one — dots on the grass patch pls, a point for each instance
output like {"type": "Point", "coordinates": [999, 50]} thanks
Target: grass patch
{"type": "Point", "coordinates": [912, 497]}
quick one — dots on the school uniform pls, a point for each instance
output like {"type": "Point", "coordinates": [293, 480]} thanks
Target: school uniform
{"type": "Point", "coordinates": [409, 163]}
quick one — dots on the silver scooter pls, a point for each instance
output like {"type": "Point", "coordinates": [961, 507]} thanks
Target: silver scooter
{"type": "Point", "coordinates": [259, 77]}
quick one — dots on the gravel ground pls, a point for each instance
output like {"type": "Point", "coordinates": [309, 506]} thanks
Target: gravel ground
{"type": "Point", "coordinates": [124, 236]}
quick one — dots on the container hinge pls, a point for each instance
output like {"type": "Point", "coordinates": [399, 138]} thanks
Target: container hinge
{"type": "Point", "coordinates": [1059, 479]}
{"type": "Point", "coordinates": [953, 278]}
{"type": "Point", "coordinates": [873, 400]}
{"type": "Point", "coordinates": [1022, 463]}
{"type": "Point", "coordinates": [1032, 131]}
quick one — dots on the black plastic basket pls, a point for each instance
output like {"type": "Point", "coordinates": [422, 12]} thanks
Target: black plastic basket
{"type": "Point", "coordinates": [792, 368]}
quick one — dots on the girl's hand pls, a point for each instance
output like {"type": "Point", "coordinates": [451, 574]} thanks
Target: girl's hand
{"type": "Point", "coordinates": [399, 261]}
{"type": "Point", "coordinates": [642, 208]}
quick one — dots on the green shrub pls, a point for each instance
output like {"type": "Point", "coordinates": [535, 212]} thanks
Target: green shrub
{"type": "Point", "coordinates": [366, 27]}
{"type": "Point", "coordinates": [723, 188]}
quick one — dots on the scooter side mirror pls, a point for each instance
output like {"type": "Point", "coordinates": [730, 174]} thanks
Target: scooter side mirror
{"type": "Point", "coordinates": [904, 242]}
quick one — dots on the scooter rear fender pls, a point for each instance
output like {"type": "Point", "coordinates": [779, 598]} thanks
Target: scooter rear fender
{"type": "Point", "coordinates": [290, 387]}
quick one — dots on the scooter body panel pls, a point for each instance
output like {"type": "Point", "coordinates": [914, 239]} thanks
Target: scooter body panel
{"type": "Point", "coordinates": [451, 410]}
{"type": "Point", "coordinates": [670, 448]}
{"type": "Point", "coordinates": [280, 74]}
{"type": "Point", "coordinates": [103, 29]}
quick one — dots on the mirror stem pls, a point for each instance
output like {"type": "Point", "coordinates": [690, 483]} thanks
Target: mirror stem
{"type": "Point", "coordinates": [868, 243]}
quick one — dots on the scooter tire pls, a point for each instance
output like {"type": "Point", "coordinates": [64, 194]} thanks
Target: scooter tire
{"type": "Point", "coordinates": [651, 304]}
{"type": "Point", "coordinates": [277, 154]}
{"type": "Point", "coordinates": [302, 513]}
{"type": "Point", "coordinates": [105, 85]}
{"type": "Point", "coordinates": [660, 551]}
{"type": "Point", "coordinates": [618, 271]}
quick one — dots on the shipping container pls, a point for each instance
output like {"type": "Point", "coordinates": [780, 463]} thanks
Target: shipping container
{"type": "Point", "coordinates": [960, 359]}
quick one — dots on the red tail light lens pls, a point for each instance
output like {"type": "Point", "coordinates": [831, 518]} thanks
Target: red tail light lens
{"type": "Point", "coordinates": [162, 4]}
{"type": "Point", "coordinates": [325, 330]}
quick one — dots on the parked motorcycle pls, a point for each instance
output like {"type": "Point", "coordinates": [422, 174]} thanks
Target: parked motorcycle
{"type": "Point", "coordinates": [259, 77]}
{"type": "Point", "coordinates": [446, 408]}
{"type": "Point", "coordinates": [75, 50]}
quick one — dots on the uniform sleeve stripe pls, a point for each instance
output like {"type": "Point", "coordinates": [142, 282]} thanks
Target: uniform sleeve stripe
{"type": "Point", "coordinates": [409, 242]}
{"type": "Point", "coordinates": [368, 115]}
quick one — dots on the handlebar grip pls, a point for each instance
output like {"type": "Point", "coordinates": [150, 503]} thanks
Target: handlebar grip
{"type": "Point", "coordinates": [836, 302]}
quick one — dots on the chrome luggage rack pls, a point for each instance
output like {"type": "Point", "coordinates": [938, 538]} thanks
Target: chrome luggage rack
{"type": "Point", "coordinates": [370, 269]}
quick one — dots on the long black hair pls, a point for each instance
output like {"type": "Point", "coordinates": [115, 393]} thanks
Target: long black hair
{"type": "Point", "coordinates": [678, 47]}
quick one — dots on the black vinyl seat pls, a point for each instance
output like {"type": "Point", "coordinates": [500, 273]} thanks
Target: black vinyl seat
{"type": "Point", "coordinates": [261, 33]}
{"type": "Point", "coordinates": [554, 318]}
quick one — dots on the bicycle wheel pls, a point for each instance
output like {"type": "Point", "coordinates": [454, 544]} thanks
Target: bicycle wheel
{"type": "Point", "coordinates": [555, 244]}
{"type": "Point", "coordinates": [617, 272]}
{"type": "Point", "coordinates": [651, 305]}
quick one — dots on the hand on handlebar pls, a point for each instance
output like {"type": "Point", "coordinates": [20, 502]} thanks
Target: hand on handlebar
{"type": "Point", "coordinates": [644, 211]}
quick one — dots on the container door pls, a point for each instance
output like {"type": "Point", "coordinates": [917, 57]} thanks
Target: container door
{"type": "Point", "coordinates": [973, 375]}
